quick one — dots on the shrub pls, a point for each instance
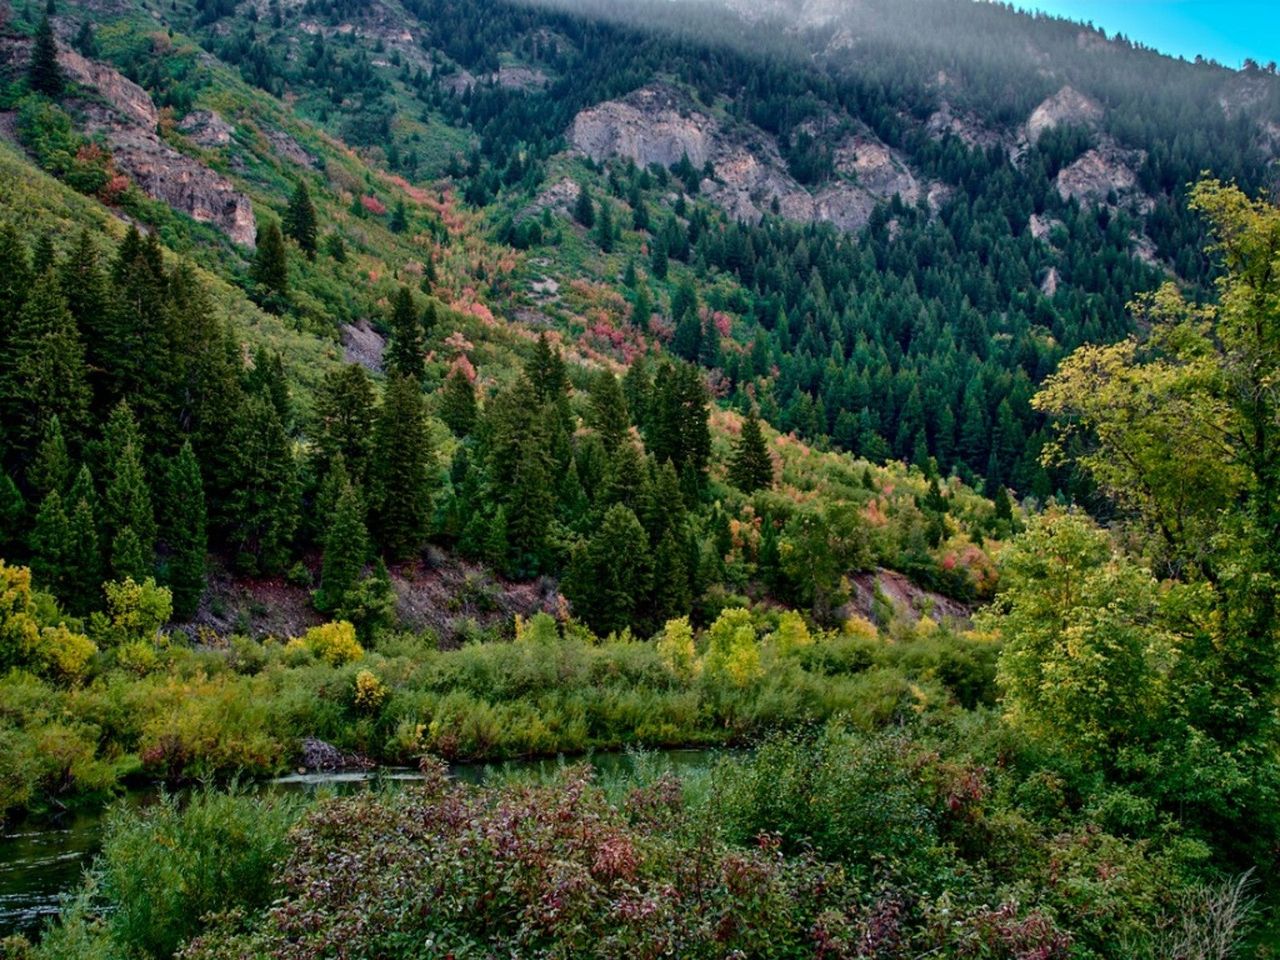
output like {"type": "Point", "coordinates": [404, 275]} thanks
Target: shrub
{"type": "Point", "coordinates": [335, 643]}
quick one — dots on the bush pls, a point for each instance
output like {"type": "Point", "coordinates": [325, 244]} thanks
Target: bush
{"type": "Point", "coordinates": [164, 868]}
{"type": "Point", "coordinates": [334, 643]}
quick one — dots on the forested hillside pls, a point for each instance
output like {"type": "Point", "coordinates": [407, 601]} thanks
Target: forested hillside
{"type": "Point", "coordinates": [882, 388]}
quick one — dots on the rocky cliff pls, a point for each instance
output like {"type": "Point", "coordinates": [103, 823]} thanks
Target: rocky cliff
{"type": "Point", "coordinates": [113, 109]}
{"type": "Point", "coordinates": [661, 124]}
{"type": "Point", "coordinates": [126, 119]}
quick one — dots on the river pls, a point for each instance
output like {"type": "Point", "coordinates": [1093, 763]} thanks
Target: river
{"type": "Point", "coordinates": [43, 859]}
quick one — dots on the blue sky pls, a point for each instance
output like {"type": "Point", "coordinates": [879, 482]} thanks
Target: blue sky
{"type": "Point", "coordinates": [1226, 30]}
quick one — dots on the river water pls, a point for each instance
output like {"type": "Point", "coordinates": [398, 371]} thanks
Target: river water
{"type": "Point", "coordinates": [42, 860]}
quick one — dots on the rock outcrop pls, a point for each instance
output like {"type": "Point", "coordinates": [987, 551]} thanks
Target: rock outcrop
{"type": "Point", "coordinates": [124, 116]}
{"type": "Point", "coordinates": [206, 128]}
{"type": "Point", "coordinates": [164, 174]}
{"type": "Point", "coordinates": [1066, 107]}
{"type": "Point", "coordinates": [1097, 174]}
{"type": "Point", "coordinates": [660, 124]}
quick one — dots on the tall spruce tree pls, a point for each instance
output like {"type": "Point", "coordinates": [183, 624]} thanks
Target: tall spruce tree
{"type": "Point", "coordinates": [346, 542]}
{"type": "Point", "coordinates": [43, 370]}
{"type": "Point", "coordinates": [611, 576]}
{"type": "Point", "coordinates": [130, 516]}
{"type": "Point", "coordinates": [456, 403]}
{"type": "Point", "coordinates": [584, 208]}
{"type": "Point", "coordinates": [51, 469]}
{"type": "Point", "coordinates": [607, 413]}
{"type": "Point", "coordinates": [270, 271]}
{"type": "Point", "coordinates": [347, 411]}
{"type": "Point", "coordinates": [405, 356]}
{"type": "Point", "coordinates": [400, 495]}
{"type": "Point", "coordinates": [44, 74]}
{"type": "Point", "coordinates": [604, 227]}
{"type": "Point", "coordinates": [51, 544]}
{"type": "Point", "coordinates": [82, 586]}
{"type": "Point", "coordinates": [185, 533]}
{"type": "Point", "coordinates": [300, 219]}
{"type": "Point", "coordinates": [262, 507]}
{"type": "Point", "coordinates": [751, 468]}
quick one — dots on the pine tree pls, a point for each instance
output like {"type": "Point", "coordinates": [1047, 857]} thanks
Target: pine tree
{"type": "Point", "coordinates": [42, 369]}
{"type": "Point", "coordinates": [16, 279]}
{"type": "Point", "coordinates": [267, 379]}
{"type": "Point", "coordinates": [751, 468]}
{"type": "Point", "coordinates": [584, 208]}
{"type": "Point", "coordinates": [129, 511]}
{"type": "Point", "coordinates": [270, 271]}
{"type": "Point", "coordinates": [399, 218]}
{"type": "Point", "coordinates": [641, 308]}
{"type": "Point", "coordinates": [405, 353]}
{"type": "Point", "coordinates": [129, 559]}
{"type": "Point", "coordinates": [347, 411]}
{"type": "Point", "coordinates": [13, 512]}
{"type": "Point", "coordinates": [400, 501]}
{"type": "Point", "coordinates": [530, 506]}
{"type": "Point", "coordinates": [607, 413]}
{"type": "Point", "coordinates": [185, 533]}
{"type": "Point", "coordinates": [611, 576]}
{"type": "Point", "coordinates": [346, 543]}
{"type": "Point", "coordinates": [604, 227]}
{"type": "Point", "coordinates": [128, 347]}
{"type": "Point", "coordinates": [51, 469]}
{"type": "Point", "coordinates": [671, 594]}
{"type": "Point", "coordinates": [300, 219]}
{"type": "Point", "coordinates": [44, 74]}
{"type": "Point", "coordinates": [51, 544]}
{"type": "Point", "coordinates": [456, 405]}
{"type": "Point", "coordinates": [82, 591]}
{"type": "Point", "coordinates": [262, 507]}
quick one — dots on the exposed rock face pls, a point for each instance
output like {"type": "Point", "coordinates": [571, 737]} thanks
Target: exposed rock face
{"type": "Point", "coordinates": [660, 124]}
{"type": "Point", "coordinates": [1067, 106]}
{"type": "Point", "coordinates": [1097, 174]}
{"type": "Point", "coordinates": [126, 118]}
{"type": "Point", "coordinates": [174, 178]}
{"type": "Point", "coordinates": [118, 90]}
{"type": "Point", "coordinates": [968, 128]}
{"type": "Point", "coordinates": [651, 125]}
{"type": "Point", "coordinates": [363, 345]}
{"type": "Point", "coordinates": [206, 128]}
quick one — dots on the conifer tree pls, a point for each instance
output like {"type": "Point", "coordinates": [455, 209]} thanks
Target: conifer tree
{"type": "Point", "coordinates": [611, 576]}
{"type": "Point", "coordinates": [266, 378]}
{"type": "Point", "coordinates": [133, 334]}
{"type": "Point", "coordinates": [405, 353]}
{"type": "Point", "coordinates": [400, 495]}
{"type": "Point", "coordinates": [129, 559]}
{"type": "Point", "coordinates": [82, 589]}
{"type": "Point", "coordinates": [751, 468]}
{"type": "Point", "coordinates": [608, 410]}
{"type": "Point", "coordinates": [44, 74]}
{"type": "Point", "coordinates": [185, 533]}
{"type": "Point", "coordinates": [262, 508]}
{"type": "Point", "coordinates": [13, 512]}
{"type": "Point", "coordinates": [457, 403]}
{"type": "Point", "coordinates": [671, 593]}
{"type": "Point", "coordinates": [129, 516]}
{"type": "Point", "coordinates": [530, 505]}
{"type": "Point", "coordinates": [604, 227]}
{"type": "Point", "coordinates": [51, 469]}
{"type": "Point", "coordinates": [584, 208]}
{"type": "Point", "coordinates": [346, 543]}
{"type": "Point", "coordinates": [625, 481]}
{"type": "Point", "coordinates": [399, 218]}
{"type": "Point", "coordinates": [641, 307]}
{"type": "Point", "coordinates": [42, 369]}
{"type": "Point", "coordinates": [300, 219]}
{"type": "Point", "coordinates": [347, 412]}
{"type": "Point", "coordinates": [270, 271]}
{"type": "Point", "coordinates": [51, 544]}
{"type": "Point", "coordinates": [15, 279]}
